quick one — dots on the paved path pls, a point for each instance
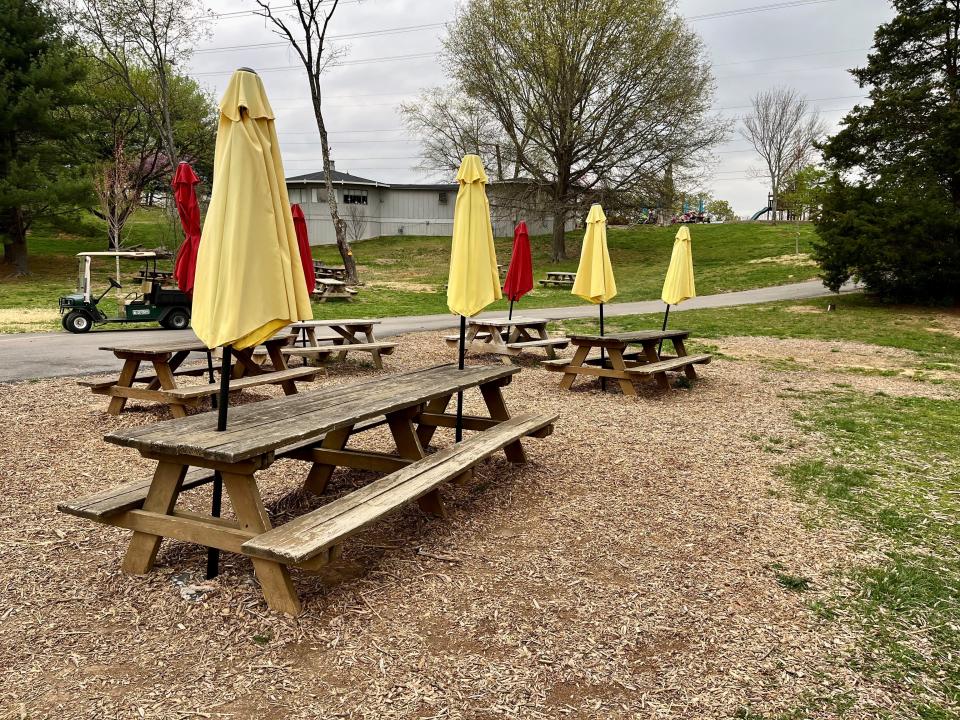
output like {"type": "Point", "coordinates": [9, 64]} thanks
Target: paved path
{"type": "Point", "coordinates": [56, 354]}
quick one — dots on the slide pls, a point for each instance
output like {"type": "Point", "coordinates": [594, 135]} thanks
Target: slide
{"type": "Point", "coordinates": [761, 212]}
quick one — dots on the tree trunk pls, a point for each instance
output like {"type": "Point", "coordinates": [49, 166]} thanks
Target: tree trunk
{"type": "Point", "coordinates": [559, 245]}
{"type": "Point", "coordinates": [15, 245]}
{"type": "Point", "coordinates": [774, 205]}
{"type": "Point", "coordinates": [339, 226]}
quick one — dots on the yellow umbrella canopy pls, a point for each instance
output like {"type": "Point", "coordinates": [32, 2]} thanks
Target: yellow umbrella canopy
{"type": "Point", "coordinates": [678, 285]}
{"type": "Point", "coordinates": [474, 281]}
{"type": "Point", "coordinates": [249, 281]}
{"type": "Point", "coordinates": [595, 282]}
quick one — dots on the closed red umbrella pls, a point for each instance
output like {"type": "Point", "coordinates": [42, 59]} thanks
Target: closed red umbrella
{"type": "Point", "coordinates": [185, 196]}
{"type": "Point", "coordinates": [519, 279]}
{"type": "Point", "coordinates": [303, 240]}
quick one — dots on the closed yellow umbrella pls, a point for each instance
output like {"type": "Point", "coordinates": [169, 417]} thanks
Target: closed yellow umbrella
{"type": "Point", "coordinates": [678, 285]}
{"type": "Point", "coordinates": [595, 282]}
{"type": "Point", "coordinates": [249, 280]}
{"type": "Point", "coordinates": [473, 281]}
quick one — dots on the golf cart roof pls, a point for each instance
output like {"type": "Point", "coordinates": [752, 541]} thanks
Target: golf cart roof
{"type": "Point", "coordinates": [139, 255]}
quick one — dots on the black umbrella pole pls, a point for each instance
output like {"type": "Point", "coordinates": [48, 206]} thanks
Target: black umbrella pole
{"type": "Point", "coordinates": [510, 316]}
{"type": "Point", "coordinates": [222, 403]}
{"type": "Point", "coordinates": [603, 355]}
{"type": "Point", "coordinates": [666, 314]}
{"type": "Point", "coordinates": [462, 352]}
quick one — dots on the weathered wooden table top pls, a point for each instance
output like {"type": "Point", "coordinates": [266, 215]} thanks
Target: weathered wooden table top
{"type": "Point", "coordinates": [303, 324]}
{"type": "Point", "coordinates": [639, 336]}
{"type": "Point", "coordinates": [502, 322]}
{"type": "Point", "coordinates": [157, 348]}
{"type": "Point", "coordinates": [259, 428]}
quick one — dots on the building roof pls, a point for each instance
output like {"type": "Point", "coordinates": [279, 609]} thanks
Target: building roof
{"type": "Point", "coordinates": [423, 186]}
{"type": "Point", "coordinates": [336, 176]}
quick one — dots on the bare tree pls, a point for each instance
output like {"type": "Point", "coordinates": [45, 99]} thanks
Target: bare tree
{"type": "Point", "coordinates": [116, 186]}
{"type": "Point", "coordinates": [305, 28]}
{"type": "Point", "coordinates": [783, 130]}
{"type": "Point", "coordinates": [357, 222]}
{"type": "Point", "coordinates": [128, 35]}
{"type": "Point", "coordinates": [592, 94]}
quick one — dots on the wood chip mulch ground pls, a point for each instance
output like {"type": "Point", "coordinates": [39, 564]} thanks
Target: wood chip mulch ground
{"type": "Point", "coordinates": [629, 571]}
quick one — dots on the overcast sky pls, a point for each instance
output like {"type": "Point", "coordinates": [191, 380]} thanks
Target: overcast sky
{"type": "Point", "coordinates": [808, 47]}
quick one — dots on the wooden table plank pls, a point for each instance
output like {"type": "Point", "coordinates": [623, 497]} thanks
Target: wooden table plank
{"type": "Point", "coordinates": [632, 337]}
{"type": "Point", "coordinates": [502, 322]}
{"type": "Point", "coordinates": [262, 427]}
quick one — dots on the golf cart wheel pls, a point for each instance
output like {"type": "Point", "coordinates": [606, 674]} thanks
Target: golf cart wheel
{"type": "Point", "coordinates": [77, 322]}
{"type": "Point", "coordinates": [177, 320]}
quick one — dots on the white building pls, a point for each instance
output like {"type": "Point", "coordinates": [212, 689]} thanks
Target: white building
{"type": "Point", "coordinates": [373, 209]}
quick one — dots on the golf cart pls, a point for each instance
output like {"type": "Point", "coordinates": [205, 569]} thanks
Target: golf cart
{"type": "Point", "coordinates": [149, 302]}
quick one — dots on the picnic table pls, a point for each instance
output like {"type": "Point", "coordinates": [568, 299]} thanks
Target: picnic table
{"type": "Point", "coordinates": [353, 335]}
{"type": "Point", "coordinates": [559, 278]}
{"type": "Point", "coordinates": [314, 427]}
{"type": "Point", "coordinates": [333, 272]}
{"type": "Point", "coordinates": [167, 356]}
{"type": "Point", "coordinates": [507, 337]}
{"type": "Point", "coordinates": [327, 288]}
{"type": "Point", "coordinates": [628, 366]}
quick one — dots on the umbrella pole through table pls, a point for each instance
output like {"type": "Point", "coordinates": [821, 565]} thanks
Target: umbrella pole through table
{"type": "Point", "coordinates": [223, 404]}
{"type": "Point", "coordinates": [603, 360]}
{"type": "Point", "coordinates": [510, 316]}
{"type": "Point", "coordinates": [664, 328]}
{"type": "Point", "coordinates": [462, 352]}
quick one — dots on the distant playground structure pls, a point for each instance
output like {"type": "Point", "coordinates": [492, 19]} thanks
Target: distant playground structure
{"type": "Point", "coordinates": [784, 212]}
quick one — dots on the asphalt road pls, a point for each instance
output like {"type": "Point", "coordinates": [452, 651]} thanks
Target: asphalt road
{"type": "Point", "coordinates": [28, 356]}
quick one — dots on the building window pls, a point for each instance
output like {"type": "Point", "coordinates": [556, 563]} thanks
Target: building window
{"type": "Point", "coordinates": [354, 197]}
{"type": "Point", "coordinates": [442, 197]}
{"type": "Point", "coordinates": [314, 195]}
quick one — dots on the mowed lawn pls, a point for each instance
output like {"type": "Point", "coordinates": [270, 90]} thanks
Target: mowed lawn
{"type": "Point", "coordinates": [405, 275]}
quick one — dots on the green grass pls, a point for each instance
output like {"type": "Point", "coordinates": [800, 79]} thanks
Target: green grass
{"type": "Point", "coordinates": [857, 318]}
{"type": "Point", "coordinates": [405, 275]}
{"type": "Point", "coordinates": [893, 465]}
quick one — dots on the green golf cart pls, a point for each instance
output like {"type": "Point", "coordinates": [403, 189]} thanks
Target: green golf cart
{"type": "Point", "coordinates": [149, 302]}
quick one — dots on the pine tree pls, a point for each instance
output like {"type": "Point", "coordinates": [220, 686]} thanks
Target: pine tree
{"type": "Point", "coordinates": [891, 212]}
{"type": "Point", "coordinates": [39, 171]}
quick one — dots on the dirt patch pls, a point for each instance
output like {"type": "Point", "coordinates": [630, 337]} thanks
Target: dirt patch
{"type": "Point", "coordinates": [407, 286]}
{"type": "Point", "coordinates": [28, 319]}
{"type": "Point", "coordinates": [801, 260]}
{"type": "Point", "coordinates": [804, 310]}
{"type": "Point", "coordinates": [625, 572]}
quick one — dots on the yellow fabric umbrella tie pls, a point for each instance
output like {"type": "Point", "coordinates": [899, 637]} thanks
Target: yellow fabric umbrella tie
{"type": "Point", "coordinates": [678, 285]}
{"type": "Point", "coordinates": [249, 280]}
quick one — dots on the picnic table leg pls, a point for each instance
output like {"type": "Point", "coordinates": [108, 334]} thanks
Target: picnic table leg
{"type": "Point", "coordinates": [498, 411]}
{"type": "Point", "coordinates": [425, 433]}
{"type": "Point", "coordinates": [127, 375]}
{"type": "Point", "coordinates": [544, 335]}
{"type": "Point", "coordinates": [274, 578]}
{"type": "Point", "coordinates": [616, 360]}
{"type": "Point", "coordinates": [319, 475]}
{"type": "Point", "coordinates": [682, 351]}
{"type": "Point", "coordinates": [570, 372]}
{"type": "Point", "coordinates": [409, 447]}
{"type": "Point", "coordinates": [175, 362]}
{"type": "Point", "coordinates": [161, 498]}
{"type": "Point", "coordinates": [276, 358]}
{"type": "Point", "coordinates": [368, 334]}
{"type": "Point", "coordinates": [167, 382]}
{"type": "Point", "coordinates": [650, 350]}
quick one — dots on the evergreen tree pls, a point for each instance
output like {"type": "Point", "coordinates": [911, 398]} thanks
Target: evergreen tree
{"type": "Point", "coordinates": [891, 210]}
{"type": "Point", "coordinates": [40, 171]}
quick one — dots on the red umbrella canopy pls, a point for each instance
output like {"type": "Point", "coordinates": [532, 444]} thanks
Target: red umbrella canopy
{"type": "Point", "coordinates": [520, 273]}
{"type": "Point", "coordinates": [185, 196]}
{"type": "Point", "coordinates": [300, 225]}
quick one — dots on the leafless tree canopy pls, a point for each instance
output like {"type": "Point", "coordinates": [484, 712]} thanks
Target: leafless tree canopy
{"type": "Point", "coordinates": [356, 221]}
{"type": "Point", "coordinates": [580, 95]}
{"type": "Point", "coordinates": [783, 130]}
{"type": "Point", "coordinates": [304, 25]}
{"type": "Point", "coordinates": [128, 35]}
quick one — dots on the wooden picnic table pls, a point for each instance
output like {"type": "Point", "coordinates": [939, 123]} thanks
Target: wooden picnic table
{"type": "Point", "coordinates": [561, 278]}
{"type": "Point", "coordinates": [315, 427]}
{"type": "Point", "coordinates": [507, 337]}
{"type": "Point", "coordinates": [167, 356]}
{"type": "Point", "coordinates": [334, 272]}
{"type": "Point", "coordinates": [628, 366]}
{"type": "Point", "coordinates": [352, 335]}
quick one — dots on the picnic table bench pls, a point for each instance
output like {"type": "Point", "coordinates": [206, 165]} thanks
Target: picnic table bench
{"type": "Point", "coordinates": [507, 337]}
{"type": "Point", "coordinates": [559, 278]}
{"type": "Point", "coordinates": [352, 335]}
{"type": "Point", "coordinates": [333, 272]}
{"type": "Point", "coordinates": [167, 357]}
{"type": "Point", "coordinates": [627, 366]}
{"type": "Point", "coordinates": [315, 427]}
